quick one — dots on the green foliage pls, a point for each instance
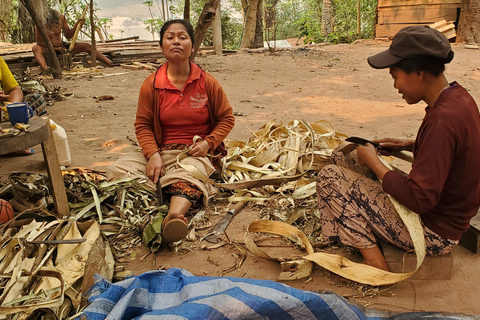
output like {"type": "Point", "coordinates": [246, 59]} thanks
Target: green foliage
{"type": "Point", "coordinates": [73, 9]}
{"type": "Point", "coordinates": [153, 25]}
{"type": "Point", "coordinates": [231, 32]}
{"type": "Point", "coordinates": [9, 26]}
{"type": "Point", "coordinates": [231, 26]}
{"type": "Point", "coordinates": [345, 15]}
{"type": "Point", "coordinates": [302, 18]}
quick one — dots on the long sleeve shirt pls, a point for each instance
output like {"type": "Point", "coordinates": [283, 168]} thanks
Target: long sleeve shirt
{"type": "Point", "coordinates": [443, 186]}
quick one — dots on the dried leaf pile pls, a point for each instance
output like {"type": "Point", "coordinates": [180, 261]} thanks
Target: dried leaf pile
{"type": "Point", "coordinates": [126, 209]}
{"type": "Point", "coordinates": [297, 150]}
{"type": "Point", "coordinates": [277, 150]}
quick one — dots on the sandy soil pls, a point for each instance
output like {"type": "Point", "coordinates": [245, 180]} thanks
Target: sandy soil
{"type": "Point", "coordinates": [331, 83]}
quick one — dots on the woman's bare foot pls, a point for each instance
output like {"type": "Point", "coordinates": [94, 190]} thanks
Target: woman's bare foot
{"type": "Point", "coordinates": [374, 257]}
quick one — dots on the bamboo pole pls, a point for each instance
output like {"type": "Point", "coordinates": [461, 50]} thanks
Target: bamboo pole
{"type": "Point", "coordinates": [77, 30]}
{"type": "Point", "coordinates": [359, 17]}
{"type": "Point", "coordinates": [93, 53]}
{"type": "Point", "coordinates": [217, 32]}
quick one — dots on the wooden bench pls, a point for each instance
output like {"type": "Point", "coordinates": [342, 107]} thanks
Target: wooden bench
{"type": "Point", "coordinates": [433, 267]}
{"type": "Point", "coordinates": [40, 132]}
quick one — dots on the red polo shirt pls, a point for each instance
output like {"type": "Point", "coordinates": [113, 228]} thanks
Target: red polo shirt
{"type": "Point", "coordinates": [183, 113]}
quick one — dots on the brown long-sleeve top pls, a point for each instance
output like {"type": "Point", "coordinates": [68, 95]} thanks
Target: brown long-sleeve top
{"type": "Point", "coordinates": [443, 186]}
{"type": "Point", "coordinates": [157, 92]}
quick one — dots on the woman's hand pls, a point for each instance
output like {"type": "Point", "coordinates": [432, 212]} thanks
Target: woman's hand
{"type": "Point", "coordinates": [396, 144]}
{"type": "Point", "coordinates": [3, 96]}
{"type": "Point", "coordinates": [155, 167]}
{"type": "Point", "coordinates": [368, 154]}
{"type": "Point", "coordinates": [199, 149]}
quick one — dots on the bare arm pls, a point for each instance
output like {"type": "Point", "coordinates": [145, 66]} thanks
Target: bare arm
{"type": "Point", "coordinates": [397, 144]}
{"type": "Point", "coordinates": [67, 32]}
{"type": "Point", "coordinates": [15, 95]}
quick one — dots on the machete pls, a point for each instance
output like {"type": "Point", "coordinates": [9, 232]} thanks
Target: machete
{"type": "Point", "coordinates": [395, 153]}
{"type": "Point", "coordinates": [217, 230]}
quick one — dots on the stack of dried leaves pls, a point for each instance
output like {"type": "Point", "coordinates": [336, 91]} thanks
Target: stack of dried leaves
{"type": "Point", "coordinates": [127, 212]}
{"type": "Point", "coordinates": [298, 150]}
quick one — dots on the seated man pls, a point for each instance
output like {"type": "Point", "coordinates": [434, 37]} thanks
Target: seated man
{"type": "Point", "coordinates": [56, 22]}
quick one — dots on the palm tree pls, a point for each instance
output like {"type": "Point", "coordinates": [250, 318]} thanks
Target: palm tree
{"type": "Point", "coordinates": [326, 26]}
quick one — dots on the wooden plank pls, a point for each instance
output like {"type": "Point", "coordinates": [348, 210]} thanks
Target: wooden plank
{"type": "Point", "coordinates": [123, 39]}
{"type": "Point", "coordinates": [439, 24]}
{"type": "Point", "coordinates": [426, 14]}
{"type": "Point", "coordinates": [54, 173]}
{"type": "Point", "coordinates": [383, 31]}
{"type": "Point", "coordinates": [433, 267]}
{"type": "Point", "coordinates": [131, 67]}
{"type": "Point", "coordinates": [396, 3]}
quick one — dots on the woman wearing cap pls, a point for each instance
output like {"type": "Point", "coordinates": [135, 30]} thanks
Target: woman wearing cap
{"type": "Point", "coordinates": [177, 103]}
{"type": "Point", "coordinates": [443, 186]}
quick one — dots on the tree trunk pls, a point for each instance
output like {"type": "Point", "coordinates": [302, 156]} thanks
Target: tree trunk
{"type": "Point", "coordinates": [252, 27]}
{"type": "Point", "coordinates": [326, 26]}
{"type": "Point", "coordinates": [50, 54]}
{"type": "Point", "coordinates": [258, 42]}
{"type": "Point", "coordinates": [270, 16]}
{"type": "Point", "coordinates": [186, 11]}
{"type": "Point", "coordinates": [217, 32]}
{"type": "Point", "coordinates": [359, 17]}
{"type": "Point", "coordinates": [93, 54]}
{"type": "Point", "coordinates": [27, 33]}
{"type": "Point", "coordinates": [204, 21]}
{"type": "Point", "coordinates": [469, 22]}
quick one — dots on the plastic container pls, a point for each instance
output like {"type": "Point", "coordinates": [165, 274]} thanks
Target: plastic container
{"type": "Point", "coordinates": [61, 142]}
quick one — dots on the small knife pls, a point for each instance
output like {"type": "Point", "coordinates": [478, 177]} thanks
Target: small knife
{"type": "Point", "coordinates": [218, 229]}
{"type": "Point", "coordinates": [159, 193]}
{"type": "Point", "coordinates": [395, 153]}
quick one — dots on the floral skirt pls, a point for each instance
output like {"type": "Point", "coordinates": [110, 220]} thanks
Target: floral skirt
{"type": "Point", "coordinates": [356, 211]}
{"type": "Point", "coordinates": [183, 189]}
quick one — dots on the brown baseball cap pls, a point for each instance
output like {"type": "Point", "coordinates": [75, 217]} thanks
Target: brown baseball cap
{"type": "Point", "coordinates": [414, 42]}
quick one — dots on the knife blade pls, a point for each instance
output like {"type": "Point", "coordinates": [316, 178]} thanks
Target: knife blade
{"type": "Point", "coordinates": [395, 153]}
{"type": "Point", "coordinates": [216, 232]}
{"type": "Point", "coordinates": [159, 193]}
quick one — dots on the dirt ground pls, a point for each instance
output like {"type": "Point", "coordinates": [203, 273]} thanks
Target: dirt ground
{"type": "Point", "coordinates": [331, 82]}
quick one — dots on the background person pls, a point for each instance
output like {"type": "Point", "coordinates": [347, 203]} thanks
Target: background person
{"type": "Point", "coordinates": [55, 24]}
{"type": "Point", "coordinates": [443, 186]}
{"type": "Point", "coordinates": [10, 92]}
{"type": "Point", "coordinates": [175, 104]}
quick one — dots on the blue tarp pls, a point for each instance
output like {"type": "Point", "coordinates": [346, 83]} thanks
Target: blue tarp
{"type": "Point", "coordinates": [178, 294]}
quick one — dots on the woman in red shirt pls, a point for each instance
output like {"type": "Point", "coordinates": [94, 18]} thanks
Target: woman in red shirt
{"type": "Point", "coordinates": [181, 107]}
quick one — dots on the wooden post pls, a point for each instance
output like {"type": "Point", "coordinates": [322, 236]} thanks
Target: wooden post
{"type": "Point", "coordinates": [55, 174]}
{"type": "Point", "coordinates": [77, 30]}
{"type": "Point", "coordinates": [186, 10]}
{"type": "Point", "coordinates": [93, 54]}
{"type": "Point", "coordinates": [359, 17]}
{"type": "Point", "coordinates": [217, 32]}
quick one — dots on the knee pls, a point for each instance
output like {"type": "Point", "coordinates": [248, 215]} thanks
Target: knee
{"type": "Point", "coordinates": [328, 175]}
{"type": "Point", "coordinates": [37, 49]}
{"type": "Point", "coordinates": [86, 47]}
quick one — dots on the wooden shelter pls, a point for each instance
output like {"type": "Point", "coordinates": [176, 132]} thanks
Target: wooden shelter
{"type": "Point", "coordinates": [393, 15]}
